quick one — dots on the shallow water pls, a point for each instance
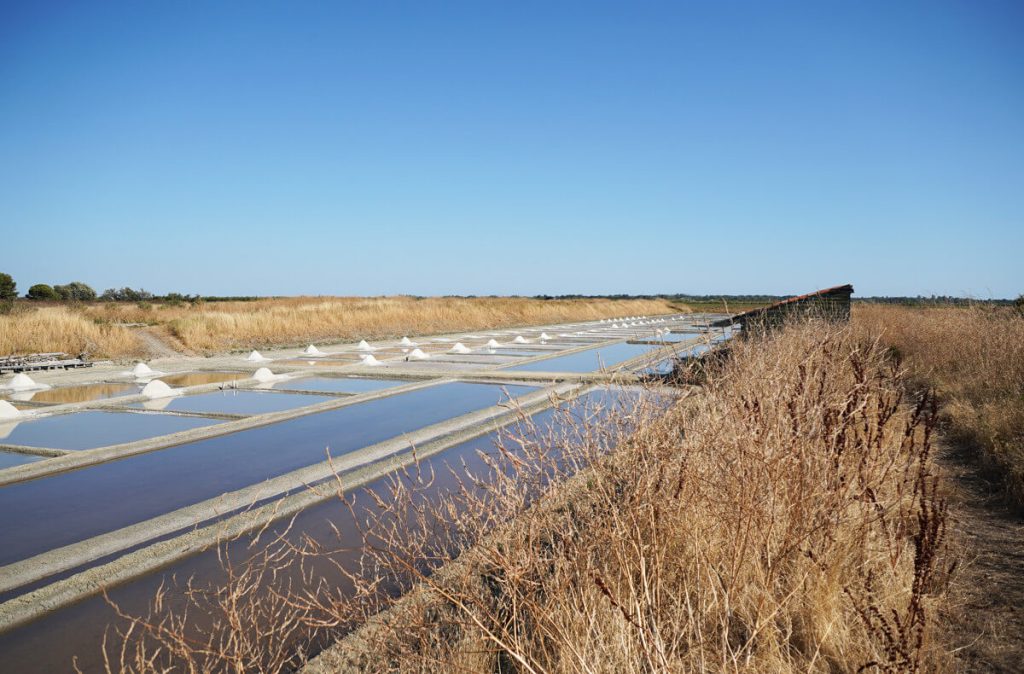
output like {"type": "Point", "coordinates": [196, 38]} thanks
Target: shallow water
{"type": "Point", "coordinates": [198, 378]}
{"type": "Point", "coordinates": [50, 512]}
{"type": "Point", "coordinates": [8, 459]}
{"type": "Point", "coordinates": [234, 401]}
{"type": "Point", "coordinates": [48, 644]}
{"type": "Point", "coordinates": [90, 429]}
{"type": "Point", "coordinates": [76, 394]}
{"type": "Point", "coordinates": [339, 384]}
{"type": "Point", "coordinates": [588, 361]}
{"type": "Point", "coordinates": [673, 337]}
{"type": "Point", "coordinates": [314, 362]}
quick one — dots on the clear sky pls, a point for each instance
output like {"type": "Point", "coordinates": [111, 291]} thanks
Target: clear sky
{"type": "Point", "coordinates": [514, 147]}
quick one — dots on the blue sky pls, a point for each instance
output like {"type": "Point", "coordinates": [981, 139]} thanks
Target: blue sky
{"type": "Point", "coordinates": [514, 148]}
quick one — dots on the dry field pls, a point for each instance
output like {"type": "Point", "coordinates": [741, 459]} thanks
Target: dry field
{"type": "Point", "coordinates": [974, 358]}
{"type": "Point", "coordinates": [208, 328]}
{"type": "Point", "coordinates": [785, 518]}
{"type": "Point", "coordinates": [49, 329]}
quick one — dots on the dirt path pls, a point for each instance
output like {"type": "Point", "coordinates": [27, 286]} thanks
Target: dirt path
{"type": "Point", "coordinates": [156, 343]}
{"type": "Point", "coordinates": [987, 623]}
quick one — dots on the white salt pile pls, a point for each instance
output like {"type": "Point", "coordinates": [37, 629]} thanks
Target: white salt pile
{"type": "Point", "coordinates": [418, 354]}
{"type": "Point", "coordinates": [363, 346]}
{"type": "Point", "coordinates": [313, 351]}
{"type": "Point", "coordinates": [142, 371]}
{"type": "Point", "coordinates": [520, 339]}
{"type": "Point", "coordinates": [407, 342]}
{"type": "Point", "coordinates": [158, 389]}
{"type": "Point", "coordinates": [615, 326]}
{"type": "Point", "coordinates": [8, 411]}
{"type": "Point", "coordinates": [368, 359]}
{"type": "Point", "coordinates": [460, 348]}
{"type": "Point", "coordinates": [23, 382]}
{"type": "Point", "coordinates": [493, 344]}
{"type": "Point", "coordinates": [545, 336]}
{"type": "Point", "coordinates": [256, 356]}
{"type": "Point", "coordinates": [264, 375]}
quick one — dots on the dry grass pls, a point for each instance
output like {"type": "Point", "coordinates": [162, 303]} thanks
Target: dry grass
{"type": "Point", "coordinates": [224, 326]}
{"type": "Point", "coordinates": [974, 358]}
{"type": "Point", "coordinates": [50, 329]}
{"type": "Point", "coordinates": [785, 519]}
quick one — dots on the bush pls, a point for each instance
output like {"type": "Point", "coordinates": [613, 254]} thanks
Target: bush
{"type": "Point", "coordinates": [42, 291]}
{"type": "Point", "coordinates": [8, 288]}
{"type": "Point", "coordinates": [76, 291]}
{"type": "Point", "coordinates": [126, 295]}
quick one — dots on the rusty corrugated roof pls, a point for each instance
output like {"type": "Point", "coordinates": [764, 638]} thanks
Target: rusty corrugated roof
{"type": "Point", "coordinates": [790, 300]}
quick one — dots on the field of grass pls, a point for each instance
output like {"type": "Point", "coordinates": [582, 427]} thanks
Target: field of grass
{"type": "Point", "coordinates": [974, 358]}
{"type": "Point", "coordinates": [208, 328]}
{"type": "Point", "coordinates": [57, 328]}
{"type": "Point", "coordinates": [785, 518]}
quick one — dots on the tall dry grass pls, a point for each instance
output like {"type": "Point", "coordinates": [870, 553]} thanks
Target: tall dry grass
{"type": "Point", "coordinates": [51, 329]}
{"type": "Point", "coordinates": [974, 358]}
{"type": "Point", "coordinates": [223, 326]}
{"type": "Point", "coordinates": [219, 327]}
{"type": "Point", "coordinates": [785, 519]}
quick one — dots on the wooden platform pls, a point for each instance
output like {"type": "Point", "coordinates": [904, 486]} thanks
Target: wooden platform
{"type": "Point", "coordinates": [40, 361]}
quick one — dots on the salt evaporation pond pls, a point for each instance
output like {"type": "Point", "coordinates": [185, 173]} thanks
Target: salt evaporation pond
{"type": "Point", "coordinates": [339, 384]}
{"type": "Point", "coordinates": [55, 511]}
{"type": "Point", "coordinates": [234, 401]}
{"type": "Point", "coordinates": [50, 643]}
{"type": "Point", "coordinates": [77, 394]}
{"type": "Point", "coordinates": [87, 430]}
{"type": "Point", "coordinates": [589, 360]}
{"type": "Point", "coordinates": [8, 459]}
{"type": "Point", "coordinates": [199, 378]}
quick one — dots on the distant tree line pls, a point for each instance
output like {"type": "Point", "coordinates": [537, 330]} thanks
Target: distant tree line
{"type": "Point", "coordinates": [77, 291]}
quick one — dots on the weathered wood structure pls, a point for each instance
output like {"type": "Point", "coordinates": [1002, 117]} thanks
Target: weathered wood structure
{"type": "Point", "coordinates": [830, 304]}
{"type": "Point", "coordinates": [40, 361]}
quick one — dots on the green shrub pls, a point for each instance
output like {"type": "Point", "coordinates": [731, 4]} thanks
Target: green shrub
{"type": "Point", "coordinates": [42, 291]}
{"type": "Point", "coordinates": [76, 291]}
{"type": "Point", "coordinates": [8, 288]}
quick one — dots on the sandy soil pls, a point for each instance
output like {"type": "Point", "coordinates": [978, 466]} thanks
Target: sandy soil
{"type": "Point", "coordinates": [986, 624]}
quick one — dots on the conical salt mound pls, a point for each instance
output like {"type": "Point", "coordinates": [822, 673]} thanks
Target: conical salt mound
{"type": "Point", "coordinates": [615, 326]}
{"type": "Point", "coordinates": [460, 348]}
{"type": "Point", "coordinates": [313, 351]}
{"type": "Point", "coordinates": [493, 344]}
{"type": "Point", "coordinates": [256, 356]}
{"type": "Point", "coordinates": [417, 354]}
{"type": "Point", "coordinates": [23, 382]}
{"type": "Point", "coordinates": [264, 375]}
{"type": "Point", "coordinates": [519, 339]}
{"type": "Point", "coordinates": [370, 360]}
{"type": "Point", "coordinates": [363, 346]}
{"type": "Point", "coordinates": [142, 370]}
{"type": "Point", "coordinates": [8, 411]}
{"type": "Point", "coordinates": [158, 389]}
{"type": "Point", "coordinates": [407, 342]}
{"type": "Point", "coordinates": [545, 335]}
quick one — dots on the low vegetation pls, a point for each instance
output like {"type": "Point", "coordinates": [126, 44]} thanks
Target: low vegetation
{"type": "Point", "coordinates": [973, 356]}
{"type": "Point", "coordinates": [208, 327]}
{"type": "Point", "coordinates": [57, 328]}
{"type": "Point", "coordinates": [98, 328]}
{"type": "Point", "coordinates": [784, 518]}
